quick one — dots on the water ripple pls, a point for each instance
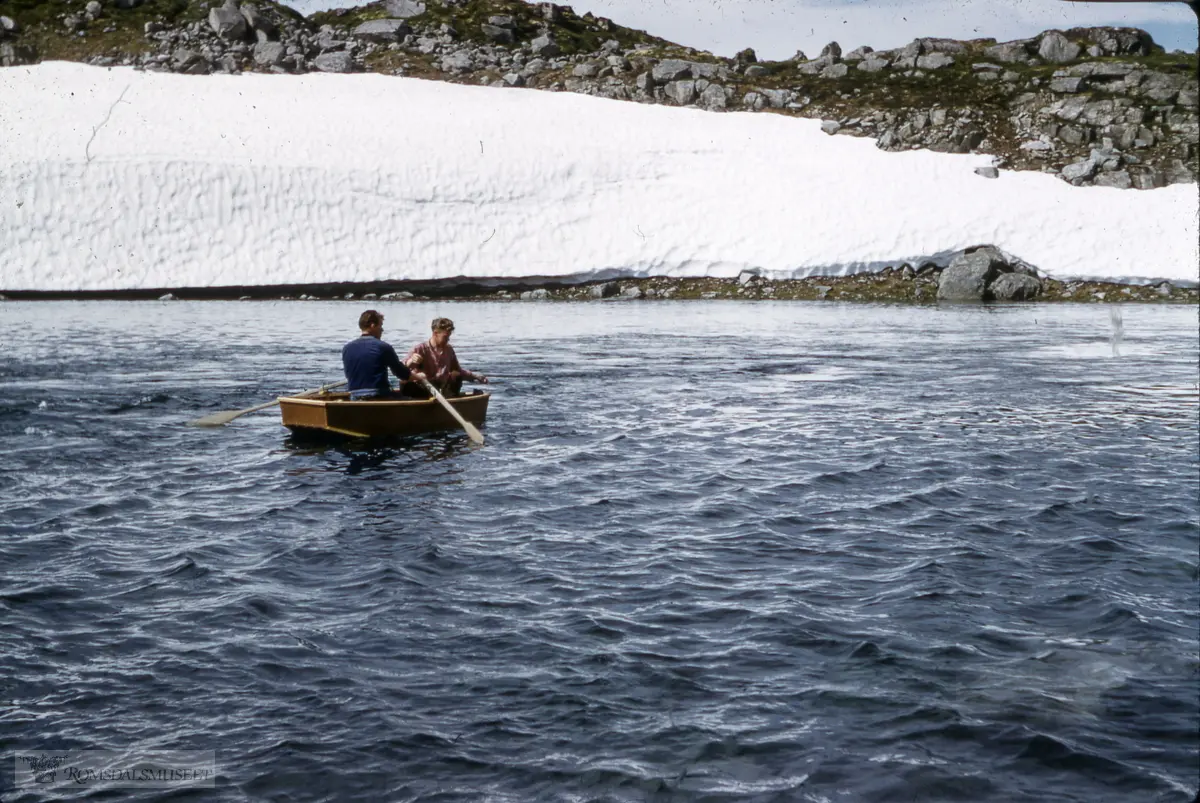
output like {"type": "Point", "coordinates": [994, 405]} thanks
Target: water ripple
{"type": "Point", "coordinates": [721, 552]}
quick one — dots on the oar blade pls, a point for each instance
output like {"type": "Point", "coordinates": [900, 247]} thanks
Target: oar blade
{"type": "Point", "coordinates": [473, 433]}
{"type": "Point", "coordinates": [222, 418]}
{"type": "Point", "coordinates": [217, 419]}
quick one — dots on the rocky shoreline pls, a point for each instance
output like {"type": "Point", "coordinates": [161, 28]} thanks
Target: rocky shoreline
{"type": "Point", "coordinates": [1094, 106]}
{"type": "Point", "coordinates": [980, 275]}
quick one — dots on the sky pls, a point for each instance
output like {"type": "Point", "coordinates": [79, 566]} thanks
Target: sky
{"type": "Point", "coordinates": [776, 29]}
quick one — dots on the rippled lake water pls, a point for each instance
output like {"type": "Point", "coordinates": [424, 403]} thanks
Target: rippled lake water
{"type": "Point", "coordinates": [722, 551]}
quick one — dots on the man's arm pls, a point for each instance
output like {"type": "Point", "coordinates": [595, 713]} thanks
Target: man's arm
{"type": "Point", "coordinates": [414, 358]}
{"type": "Point", "coordinates": [470, 376]}
{"type": "Point", "coordinates": [398, 368]}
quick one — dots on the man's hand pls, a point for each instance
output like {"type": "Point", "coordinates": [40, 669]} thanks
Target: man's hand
{"type": "Point", "coordinates": [481, 379]}
{"type": "Point", "coordinates": [418, 376]}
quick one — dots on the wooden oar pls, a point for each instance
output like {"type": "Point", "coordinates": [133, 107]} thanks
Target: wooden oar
{"type": "Point", "coordinates": [472, 432]}
{"type": "Point", "coordinates": [223, 418]}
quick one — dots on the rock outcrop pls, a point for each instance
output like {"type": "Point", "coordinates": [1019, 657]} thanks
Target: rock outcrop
{"type": "Point", "coordinates": [986, 274]}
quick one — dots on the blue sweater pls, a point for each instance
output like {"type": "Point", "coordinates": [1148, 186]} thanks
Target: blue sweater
{"type": "Point", "coordinates": [366, 361]}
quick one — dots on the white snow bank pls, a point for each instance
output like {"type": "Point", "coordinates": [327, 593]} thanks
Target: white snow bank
{"type": "Point", "coordinates": [117, 179]}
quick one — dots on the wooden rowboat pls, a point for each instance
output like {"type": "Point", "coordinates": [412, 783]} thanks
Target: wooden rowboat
{"type": "Point", "coordinates": [334, 414]}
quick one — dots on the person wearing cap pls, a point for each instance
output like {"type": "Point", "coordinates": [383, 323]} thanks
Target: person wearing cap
{"type": "Point", "coordinates": [437, 359]}
{"type": "Point", "coordinates": [367, 360]}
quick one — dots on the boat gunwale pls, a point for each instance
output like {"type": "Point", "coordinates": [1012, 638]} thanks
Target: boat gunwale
{"type": "Point", "coordinates": [318, 402]}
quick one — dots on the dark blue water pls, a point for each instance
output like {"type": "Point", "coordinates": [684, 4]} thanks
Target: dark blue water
{"type": "Point", "coordinates": [710, 552]}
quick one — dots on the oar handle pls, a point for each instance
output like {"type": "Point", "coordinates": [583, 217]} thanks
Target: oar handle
{"type": "Point", "coordinates": [324, 388]}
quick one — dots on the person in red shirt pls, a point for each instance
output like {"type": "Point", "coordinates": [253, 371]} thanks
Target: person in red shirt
{"type": "Point", "coordinates": [436, 359]}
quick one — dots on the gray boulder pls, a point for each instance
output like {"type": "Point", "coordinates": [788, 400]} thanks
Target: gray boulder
{"type": "Point", "coordinates": [500, 29]}
{"type": "Point", "coordinates": [934, 61]}
{"type": "Point", "coordinates": [269, 54]}
{"type": "Point", "coordinates": [8, 25]}
{"type": "Point", "coordinates": [228, 23]}
{"type": "Point", "coordinates": [815, 66]}
{"type": "Point", "coordinates": [404, 9]}
{"type": "Point", "coordinates": [969, 274]}
{"type": "Point", "coordinates": [618, 63]}
{"type": "Point", "coordinates": [929, 45]}
{"type": "Point", "coordinates": [1118, 41]}
{"type": "Point", "coordinates": [258, 22]}
{"type": "Point", "coordinates": [1118, 178]}
{"type": "Point", "coordinates": [338, 61]}
{"type": "Point", "coordinates": [1079, 171]}
{"type": "Point", "coordinates": [1106, 70]}
{"type": "Point", "coordinates": [503, 36]}
{"type": "Point", "coordinates": [873, 63]}
{"type": "Point", "coordinates": [459, 61]}
{"type": "Point", "coordinates": [755, 101]}
{"type": "Point", "coordinates": [682, 92]}
{"type": "Point", "coordinates": [1015, 287]}
{"type": "Point", "coordinates": [1066, 84]}
{"type": "Point", "coordinates": [13, 54]}
{"type": "Point", "coordinates": [714, 97]}
{"type": "Point", "coordinates": [701, 69]}
{"type": "Point", "coordinates": [382, 31]}
{"type": "Point", "coordinates": [1161, 87]}
{"type": "Point", "coordinates": [544, 46]}
{"type": "Point", "coordinates": [1010, 52]}
{"type": "Point", "coordinates": [671, 70]}
{"type": "Point", "coordinates": [778, 98]}
{"type": "Point", "coordinates": [605, 290]}
{"type": "Point", "coordinates": [1057, 49]}
{"type": "Point", "coordinates": [185, 60]}
{"type": "Point", "coordinates": [747, 56]}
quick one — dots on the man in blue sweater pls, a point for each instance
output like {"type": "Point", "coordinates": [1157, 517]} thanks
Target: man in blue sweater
{"type": "Point", "coordinates": [367, 359]}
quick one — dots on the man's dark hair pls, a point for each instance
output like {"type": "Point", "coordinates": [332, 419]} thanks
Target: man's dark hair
{"type": "Point", "coordinates": [369, 318]}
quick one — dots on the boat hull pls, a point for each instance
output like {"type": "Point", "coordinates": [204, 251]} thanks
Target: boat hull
{"type": "Point", "coordinates": [334, 414]}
